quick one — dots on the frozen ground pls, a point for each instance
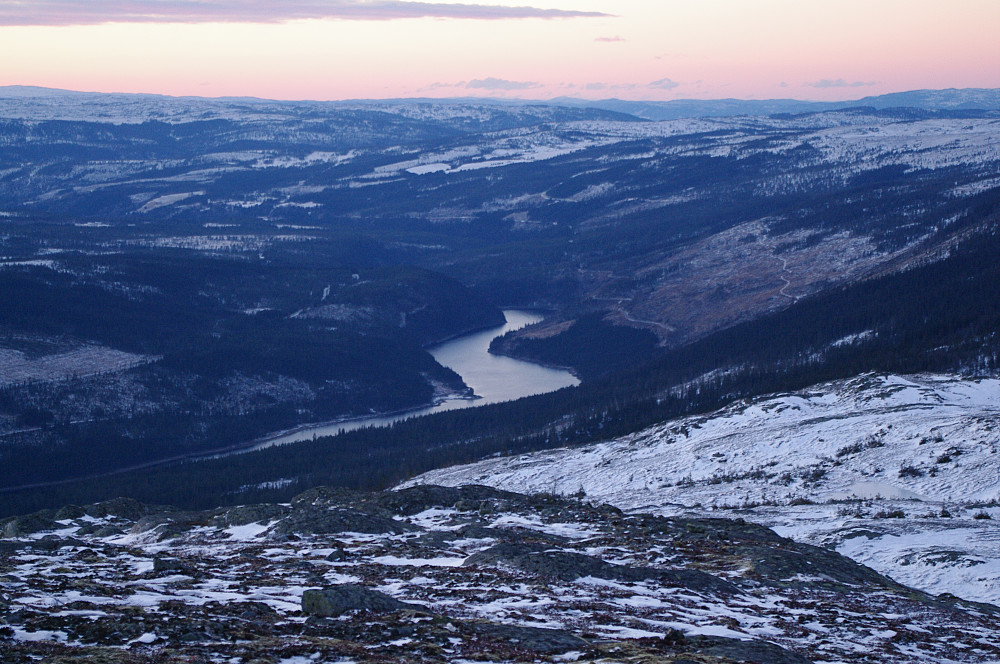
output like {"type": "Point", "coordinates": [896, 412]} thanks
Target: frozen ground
{"type": "Point", "coordinates": [482, 574]}
{"type": "Point", "coordinates": [900, 473]}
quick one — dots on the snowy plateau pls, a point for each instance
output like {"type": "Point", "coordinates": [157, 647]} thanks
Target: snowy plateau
{"type": "Point", "coordinates": [899, 473]}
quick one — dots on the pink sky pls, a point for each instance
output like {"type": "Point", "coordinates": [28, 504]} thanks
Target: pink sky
{"type": "Point", "coordinates": [635, 49]}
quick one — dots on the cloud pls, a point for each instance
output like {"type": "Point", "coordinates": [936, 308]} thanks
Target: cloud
{"type": "Point", "coordinates": [439, 85]}
{"type": "Point", "coordinates": [838, 83]}
{"type": "Point", "coordinates": [609, 40]}
{"type": "Point", "coordinates": [664, 84]}
{"type": "Point", "coordinates": [89, 12]}
{"type": "Point", "coordinates": [500, 84]}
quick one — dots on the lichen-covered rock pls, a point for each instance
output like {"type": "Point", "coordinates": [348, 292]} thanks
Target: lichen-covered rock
{"type": "Point", "coordinates": [534, 639]}
{"type": "Point", "coordinates": [122, 508]}
{"type": "Point", "coordinates": [544, 579]}
{"type": "Point", "coordinates": [569, 566]}
{"type": "Point", "coordinates": [170, 524]}
{"type": "Point", "coordinates": [247, 514]}
{"type": "Point", "coordinates": [326, 495]}
{"type": "Point", "coordinates": [416, 499]}
{"type": "Point", "coordinates": [774, 564]}
{"type": "Point", "coordinates": [333, 601]}
{"type": "Point", "coordinates": [26, 525]}
{"type": "Point", "coordinates": [70, 512]}
{"type": "Point", "coordinates": [752, 651]}
{"type": "Point", "coordinates": [54, 543]}
{"type": "Point", "coordinates": [167, 565]}
{"type": "Point", "coordinates": [315, 520]}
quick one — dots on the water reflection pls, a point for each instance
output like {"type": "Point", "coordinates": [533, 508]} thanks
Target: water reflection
{"type": "Point", "coordinates": [493, 378]}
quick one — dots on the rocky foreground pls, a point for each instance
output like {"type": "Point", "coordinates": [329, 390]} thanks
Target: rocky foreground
{"type": "Point", "coordinates": [434, 574]}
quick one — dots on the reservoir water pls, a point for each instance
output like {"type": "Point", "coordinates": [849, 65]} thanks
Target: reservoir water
{"type": "Point", "coordinates": [493, 379]}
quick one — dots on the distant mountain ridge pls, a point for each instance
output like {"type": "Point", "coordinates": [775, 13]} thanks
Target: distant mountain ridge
{"type": "Point", "coordinates": [980, 99]}
{"type": "Point", "coordinates": [947, 100]}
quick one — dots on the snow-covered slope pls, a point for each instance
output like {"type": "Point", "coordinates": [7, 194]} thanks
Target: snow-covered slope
{"type": "Point", "coordinates": [900, 473]}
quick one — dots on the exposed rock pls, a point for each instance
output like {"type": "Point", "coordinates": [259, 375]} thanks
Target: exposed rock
{"type": "Point", "coordinates": [170, 524]}
{"type": "Point", "coordinates": [123, 508]}
{"type": "Point", "coordinates": [569, 566]}
{"type": "Point", "coordinates": [544, 579]}
{"type": "Point", "coordinates": [534, 639]}
{"type": "Point", "coordinates": [338, 554]}
{"type": "Point", "coordinates": [165, 565]}
{"type": "Point", "coordinates": [326, 495]}
{"type": "Point", "coordinates": [247, 514]}
{"type": "Point", "coordinates": [333, 601]}
{"type": "Point", "coordinates": [776, 564]}
{"type": "Point", "coordinates": [26, 525]}
{"type": "Point", "coordinates": [315, 520]}
{"type": "Point", "coordinates": [70, 512]}
{"type": "Point", "coordinates": [754, 652]}
{"type": "Point", "coordinates": [416, 499]}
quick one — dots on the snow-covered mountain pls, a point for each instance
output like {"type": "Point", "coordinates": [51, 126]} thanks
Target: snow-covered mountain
{"type": "Point", "coordinates": [900, 473]}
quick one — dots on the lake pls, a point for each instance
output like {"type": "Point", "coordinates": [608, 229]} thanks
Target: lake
{"type": "Point", "coordinates": [493, 378]}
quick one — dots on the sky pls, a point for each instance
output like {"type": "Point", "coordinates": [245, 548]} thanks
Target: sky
{"type": "Point", "coordinates": [595, 49]}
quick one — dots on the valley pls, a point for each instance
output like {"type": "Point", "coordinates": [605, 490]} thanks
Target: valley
{"type": "Point", "coordinates": [281, 264]}
{"type": "Point", "coordinates": [490, 378]}
{"type": "Point", "coordinates": [751, 415]}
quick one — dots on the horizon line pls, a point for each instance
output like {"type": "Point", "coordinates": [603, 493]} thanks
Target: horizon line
{"type": "Point", "coordinates": [537, 100]}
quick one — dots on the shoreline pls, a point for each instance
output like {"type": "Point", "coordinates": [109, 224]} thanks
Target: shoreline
{"type": "Point", "coordinates": [252, 445]}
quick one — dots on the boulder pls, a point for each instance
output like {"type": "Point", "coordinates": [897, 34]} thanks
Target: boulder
{"type": "Point", "coordinates": [123, 508]}
{"type": "Point", "coordinates": [167, 565]}
{"type": "Point", "coordinates": [70, 512]}
{"type": "Point", "coordinates": [26, 525]}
